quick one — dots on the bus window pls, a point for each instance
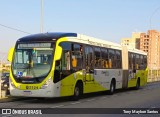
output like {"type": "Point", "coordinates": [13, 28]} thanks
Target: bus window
{"type": "Point", "coordinates": [118, 61]}
{"type": "Point", "coordinates": [110, 63]}
{"type": "Point", "coordinates": [131, 61]}
{"type": "Point", "coordinates": [134, 62]}
{"type": "Point", "coordinates": [66, 55]}
{"type": "Point", "coordinates": [137, 61]}
{"type": "Point", "coordinates": [111, 58]}
{"type": "Point", "coordinates": [141, 65]}
{"type": "Point", "coordinates": [67, 60]}
{"type": "Point", "coordinates": [97, 53]}
{"type": "Point", "coordinates": [104, 54]}
{"type": "Point", "coordinates": [89, 61]}
{"type": "Point", "coordinates": [63, 66]}
{"type": "Point", "coordinates": [74, 61]}
{"type": "Point", "coordinates": [77, 58]}
{"type": "Point", "coordinates": [145, 61]}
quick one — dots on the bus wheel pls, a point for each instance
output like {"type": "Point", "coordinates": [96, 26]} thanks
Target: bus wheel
{"type": "Point", "coordinates": [112, 88]}
{"type": "Point", "coordinates": [77, 93]}
{"type": "Point", "coordinates": [138, 84]}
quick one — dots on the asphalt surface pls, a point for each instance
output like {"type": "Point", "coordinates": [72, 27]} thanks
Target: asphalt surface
{"type": "Point", "coordinates": [146, 97]}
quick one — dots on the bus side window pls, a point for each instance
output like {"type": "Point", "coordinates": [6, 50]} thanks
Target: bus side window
{"type": "Point", "coordinates": [137, 61]}
{"type": "Point", "coordinates": [107, 65]}
{"type": "Point", "coordinates": [137, 66]}
{"type": "Point", "coordinates": [67, 57]}
{"type": "Point", "coordinates": [77, 56]}
{"type": "Point", "coordinates": [104, 56]}
{"type": "Point", "coordinates": [145, 61]}
{"type": "Point", "coordinates": [110, 63]}
{"type": "Point", "coordinates": [111, 58]}
{"type": "Point", "coordinates": [97, 53]}
{"type": "Point", "coordinates": [74, 61]}
{"type": "Point", "coordinates": [134, 62]}
{"type": "Point", "coordinates": [89, 61]}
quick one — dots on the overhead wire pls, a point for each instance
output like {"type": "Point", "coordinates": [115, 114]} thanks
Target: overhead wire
{"type": "Point", "coordinates": [14, 29]}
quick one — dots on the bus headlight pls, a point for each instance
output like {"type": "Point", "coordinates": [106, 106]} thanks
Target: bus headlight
{"type": "Point", "coordinates": [46, 84]}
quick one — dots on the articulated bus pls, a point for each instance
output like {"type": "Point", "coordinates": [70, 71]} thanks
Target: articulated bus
{"type": "Point", "coordinates": [70, 64]}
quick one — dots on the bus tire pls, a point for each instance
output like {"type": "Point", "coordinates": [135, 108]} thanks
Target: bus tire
{"type": "Point", "coordinates": [112, 87]}
{"type": "Point", "coordinates": [77, 92]}
{"type": "Point", "coordinates": [137, 84]}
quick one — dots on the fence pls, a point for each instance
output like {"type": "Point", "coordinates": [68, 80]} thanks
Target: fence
{"type": "Point", "coordinates": [153, 75]}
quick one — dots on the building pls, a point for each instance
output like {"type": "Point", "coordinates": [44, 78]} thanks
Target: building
{"type": "Point", "coordinates": [133, 42]}
{"type": "Point", "coordinates": [150, 43]}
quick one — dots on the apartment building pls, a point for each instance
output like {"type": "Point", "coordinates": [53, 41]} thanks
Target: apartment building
{"type": "Point", "coordinates": [150, 43]}
{"type": "Point", "coordinates": [133, 42]}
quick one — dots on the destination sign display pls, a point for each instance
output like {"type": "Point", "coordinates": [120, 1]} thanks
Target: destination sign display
{"type": "Point", "coordinates": [34, 45]}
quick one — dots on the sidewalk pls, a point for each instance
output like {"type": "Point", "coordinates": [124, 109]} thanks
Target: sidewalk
{"type": "Point", "coordinates": [4, 97]}
{"type": "Point", "coordinates": [12, 99]}
{"type": "Point", "coordinates": [7, 98]}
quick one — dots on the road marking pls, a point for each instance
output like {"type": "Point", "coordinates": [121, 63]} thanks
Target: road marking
{"type": "Point", "coordinates": [57, 106]}
{"type": "Point", "coordinates": [104, 97]}
{"type": "Point", "coordinates": [91, 100]}
{"type": "Point", "coordinates": [153, 107]}
{"type": "Point", "coordinates": [75, 102]}
{"type": "Point", "coordinates": [6, 115]}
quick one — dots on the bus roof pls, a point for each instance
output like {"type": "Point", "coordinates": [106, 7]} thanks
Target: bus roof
{"type": "Point", "coordinates": [46, 36]}
{"type": "Point", "coordinates": [97, 42]}
{"type": "Point", "coordinates": [136, 51]}
{"type": "Point", "coordinates": [80, 38]}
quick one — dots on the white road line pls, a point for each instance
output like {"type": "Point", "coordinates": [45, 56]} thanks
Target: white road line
{"type": "Point", "coordinates": [6, 115]}
{"type": "Point", "coordinates": [75, 103]}
{"type": "Point", "coordinates": [91, 100]}
{"type": "Point", "coordinates": [104, 97]}
{"type": "Point", "coordinates": [153, 107]}
{"type": "Point", "coordinates": [57, 106]}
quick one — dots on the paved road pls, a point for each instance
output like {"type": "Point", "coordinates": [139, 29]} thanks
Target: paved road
{"type": "Point", "coordinates": [146, 97]}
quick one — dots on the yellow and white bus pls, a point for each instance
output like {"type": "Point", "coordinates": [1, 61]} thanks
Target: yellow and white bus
{"type": "Point", "coordinates": [71, 64]}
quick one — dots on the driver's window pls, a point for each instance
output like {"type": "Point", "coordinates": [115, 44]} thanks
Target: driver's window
{"type": "Point", "coordinates": [66, 55]}
{"type": "Point", "coordinates": [63, 66]}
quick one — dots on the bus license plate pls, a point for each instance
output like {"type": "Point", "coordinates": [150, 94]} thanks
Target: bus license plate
{"type": "Point", "coordinates": [27, 93]}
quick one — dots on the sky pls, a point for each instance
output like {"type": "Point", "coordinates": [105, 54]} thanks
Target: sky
{"type": "Point", "coordinates": [105, 19]}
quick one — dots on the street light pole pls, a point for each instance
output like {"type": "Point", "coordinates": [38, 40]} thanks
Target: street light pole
{"type": "Point", "coordinates": [42, 13]}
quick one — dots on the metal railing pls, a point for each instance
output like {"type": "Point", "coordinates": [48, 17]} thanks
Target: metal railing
{"type": "Point", "coordinates": [153, 75]}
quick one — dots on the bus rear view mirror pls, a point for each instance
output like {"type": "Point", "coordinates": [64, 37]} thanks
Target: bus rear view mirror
{"type": "Point", "coordinates": [10, 54]}
{"type": "Point", "coordinates": [58, 53]}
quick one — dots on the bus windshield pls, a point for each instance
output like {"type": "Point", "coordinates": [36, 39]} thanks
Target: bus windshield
{"type": "Point", "coordinates": [32, 60]}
